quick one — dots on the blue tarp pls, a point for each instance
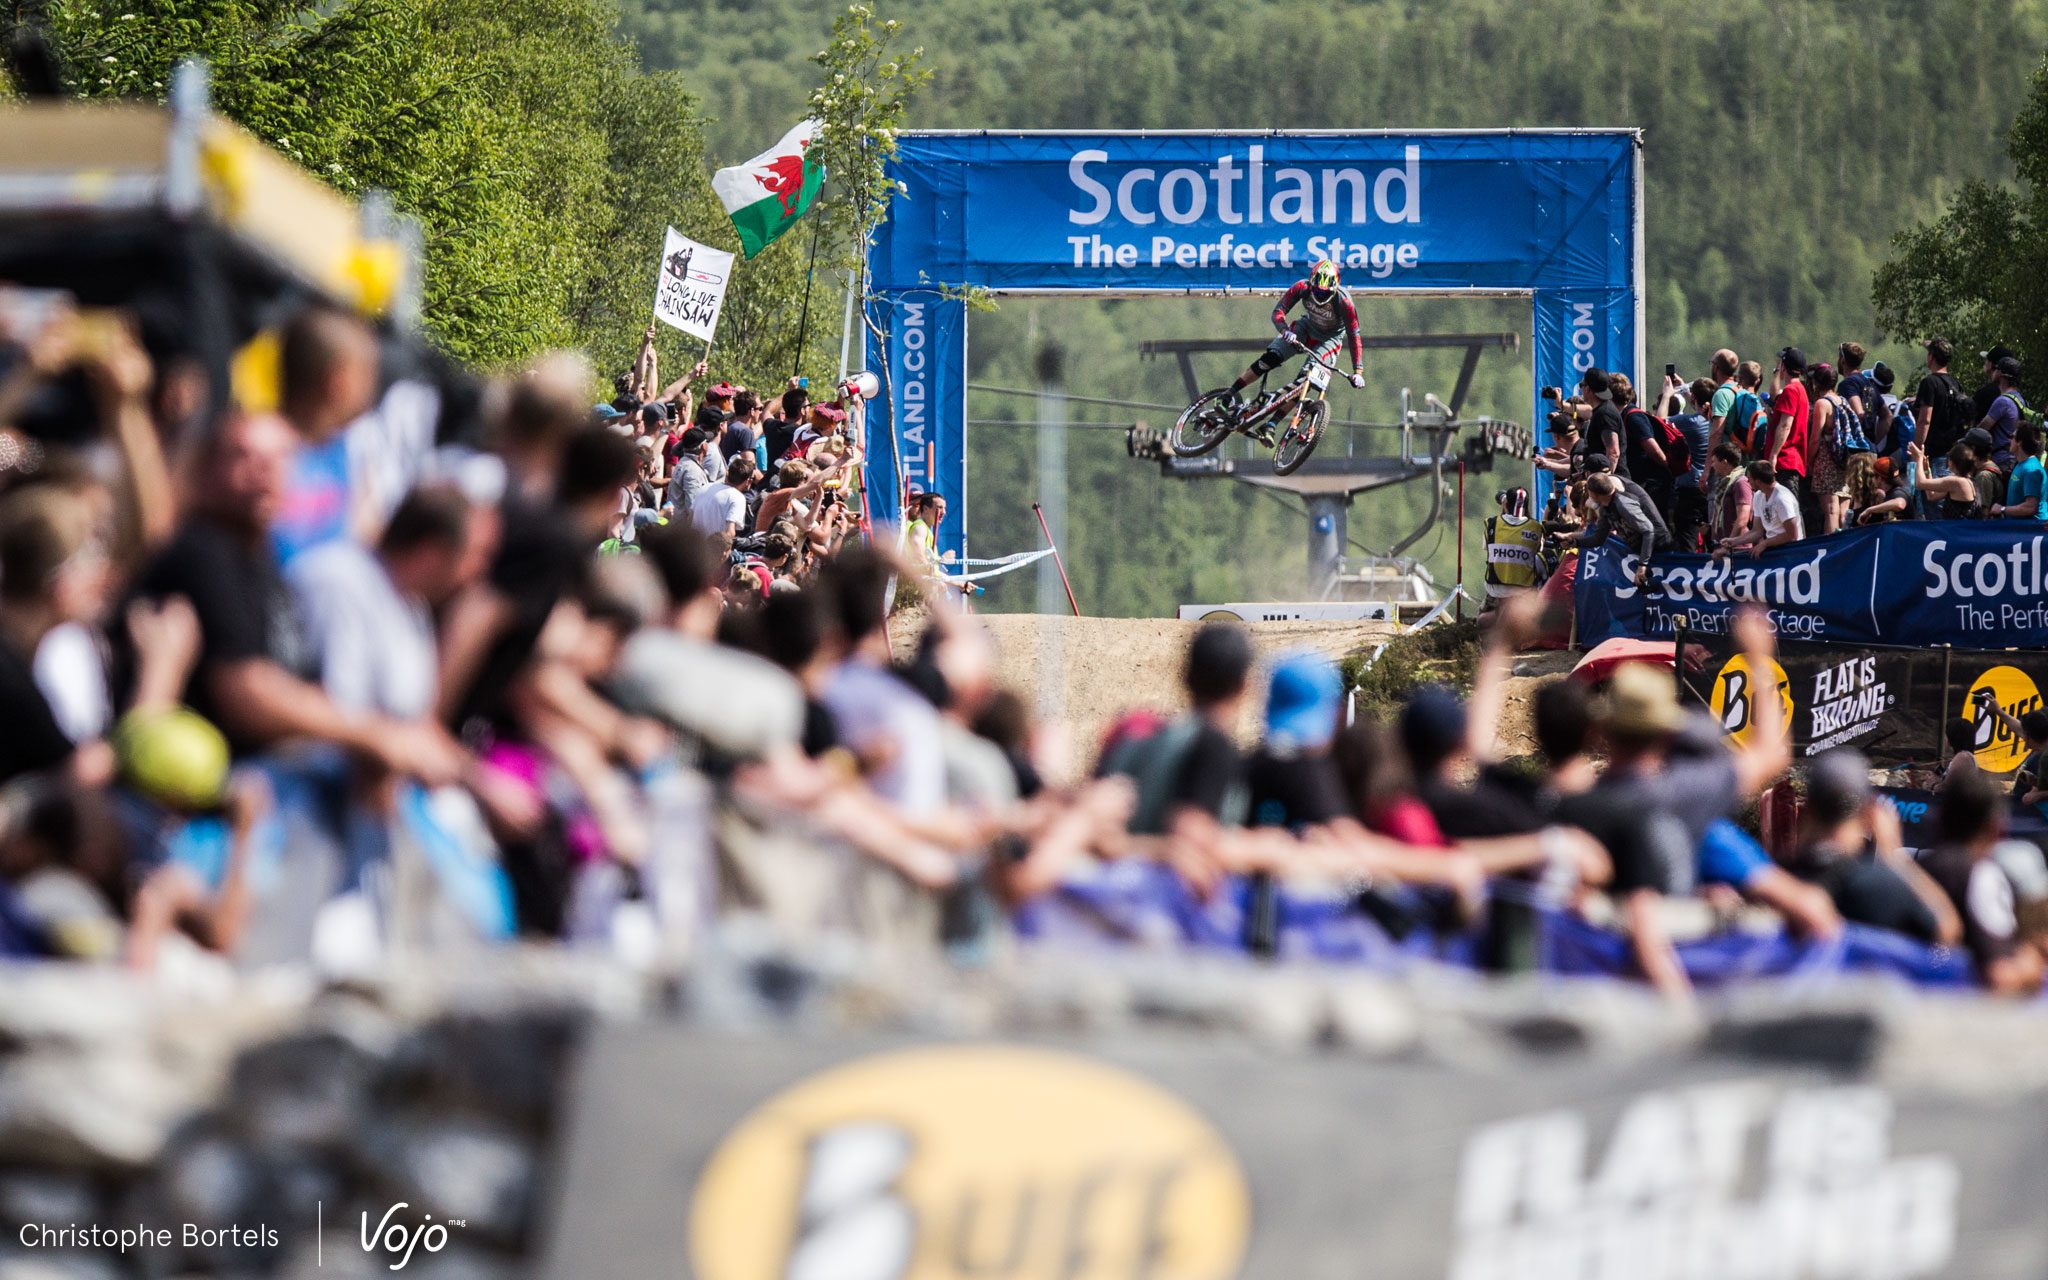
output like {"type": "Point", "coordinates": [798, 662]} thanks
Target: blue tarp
{"type": "Point", "coordinates": [1146, 904]}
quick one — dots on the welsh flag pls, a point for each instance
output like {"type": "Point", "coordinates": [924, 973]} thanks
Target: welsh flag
{"type": "Point", "coordinates": [766, 195]}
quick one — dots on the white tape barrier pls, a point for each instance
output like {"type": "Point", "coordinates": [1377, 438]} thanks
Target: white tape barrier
{"type": "Point", "coordinates": [1000, 566]}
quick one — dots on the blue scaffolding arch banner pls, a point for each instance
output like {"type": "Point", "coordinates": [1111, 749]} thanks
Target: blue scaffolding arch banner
{"type": "Point", "coordinates": [1964, 583]}
{"type": "Point", "coordinates": [1554, 215]}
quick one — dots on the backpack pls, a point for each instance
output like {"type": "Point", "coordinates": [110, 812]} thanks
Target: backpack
{"type": "Point", "coordinates": [1849, 432]}
{"type": "Point", "coordinates": [1954, 411]}
{"type": "Point", "coordinates": [1677, 453]}
{"type": "Point", "coordinates": [1752, 421]}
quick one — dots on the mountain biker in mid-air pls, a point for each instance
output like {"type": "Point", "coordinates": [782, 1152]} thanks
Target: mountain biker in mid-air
{"type": "Point", "coordinates": [1327, 317]}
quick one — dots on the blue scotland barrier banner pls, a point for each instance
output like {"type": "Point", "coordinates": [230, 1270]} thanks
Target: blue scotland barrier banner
{"type": "Point", "coordinates": [1962, 583]}
{"type": "Point", "coordinates": [1553, 215]}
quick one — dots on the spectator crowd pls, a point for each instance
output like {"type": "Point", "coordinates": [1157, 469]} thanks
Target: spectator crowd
{"type": "Point", "coordinates": [1739, 461]}
{"type": "Point", "coordinates": [310, 675]}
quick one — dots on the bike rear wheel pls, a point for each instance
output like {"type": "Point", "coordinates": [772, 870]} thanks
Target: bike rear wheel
{"type": "Point", "coordinates": [1204, 424]}
{"type": "Point", "coordinates": [1300, 438]}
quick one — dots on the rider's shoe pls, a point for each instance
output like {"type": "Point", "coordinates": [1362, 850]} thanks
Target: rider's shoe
{"type": "Point", "coordinates": [1263, 433]}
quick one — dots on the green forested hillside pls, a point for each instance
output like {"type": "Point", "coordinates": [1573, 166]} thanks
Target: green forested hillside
{"type": "Point", "coordinates": [1787, 141]}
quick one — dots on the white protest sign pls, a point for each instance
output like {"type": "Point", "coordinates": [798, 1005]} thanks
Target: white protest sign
{"type": "Point", "coordinates": [690, 288]}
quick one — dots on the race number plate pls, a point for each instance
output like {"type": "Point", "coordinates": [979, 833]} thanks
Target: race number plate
{"type": "Point", "coordinates": [1319, 375]}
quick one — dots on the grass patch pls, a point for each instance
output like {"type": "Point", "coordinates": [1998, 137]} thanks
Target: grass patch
{"type": "Point", "coordinates": [1446, 654]}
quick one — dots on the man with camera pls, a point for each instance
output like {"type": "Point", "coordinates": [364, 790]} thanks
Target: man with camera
{"type": "Point", "coordinates": [1617, 515]}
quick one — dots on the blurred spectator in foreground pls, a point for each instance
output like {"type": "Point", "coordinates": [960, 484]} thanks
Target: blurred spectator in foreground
{"type": "Point", "coordinates": [327, 378]}
{"type": "Point", "coordinates": [1971, 818]}
{"type": "Point", "coordinates": [369, 612]}
{"type": "Point", "coordinates": [1651, 809]}
{"type": "Point", "coordinates": [1850, 846]}
{"type": "Point", "coordinates": [55, 572]}
{"type": "Point", "coordinates": [255, 669]}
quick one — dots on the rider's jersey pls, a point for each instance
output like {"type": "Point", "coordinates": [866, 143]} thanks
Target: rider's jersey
{"type": "Point", "coordinates": [1333, 315]}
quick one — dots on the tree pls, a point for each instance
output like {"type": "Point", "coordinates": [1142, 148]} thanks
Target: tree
{"type": "Point", "coordinates": [860, 106]}
{"type": "Point", "coordinates": [1974, 273]}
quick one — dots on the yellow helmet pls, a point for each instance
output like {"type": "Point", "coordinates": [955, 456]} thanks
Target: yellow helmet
{"type": "Point", "coordinates": [1323, 276]}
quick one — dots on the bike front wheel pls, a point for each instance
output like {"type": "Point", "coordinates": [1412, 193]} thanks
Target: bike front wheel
{"type": "Point", "coordinates": [1300, 438]}
{"type": "Point", "coordinates": [1204, 424]}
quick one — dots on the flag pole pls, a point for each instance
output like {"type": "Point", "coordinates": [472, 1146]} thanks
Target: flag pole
{"type": "Point", "coordinates": [803, 326]}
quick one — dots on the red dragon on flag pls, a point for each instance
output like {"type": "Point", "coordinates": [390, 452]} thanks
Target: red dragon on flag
{"type": "Point", "coordinates": [785, 178]}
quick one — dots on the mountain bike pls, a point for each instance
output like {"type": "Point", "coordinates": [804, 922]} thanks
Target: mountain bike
{"type": "Point", "coordinates": [1305, 402]}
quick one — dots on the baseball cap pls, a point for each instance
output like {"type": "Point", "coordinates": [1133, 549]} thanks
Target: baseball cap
{"type": "Point", "coordinates": [1595, 380]}
{"type": "Point", "coordinates": [710, 417]}
{"type": "Point", "coordinates": [1882, 372]}
{"type": "Point", "coordinates": [695, 438]}
{"type": "Point", "coordinates": [605, 412]}
{"type": "Point", "coordinates": [1599, 462]}
{"type": "Point", "coordinates": [2008, 366]}
{"type": "Point", "coordinates": [1792, 358]}
{"type": "Point", "coordinates": [723, 391]}
{"type": "Point", "coordinates": [1302, 699]}
{"type": "Point", "coordinates": [654, 413]}
{"type": "Point", "coordinates": [831, 413]}
{"type": "Point", "coordinates": [1999, 351]}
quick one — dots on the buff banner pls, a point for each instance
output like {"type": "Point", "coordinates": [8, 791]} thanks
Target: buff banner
{"type": "Point", "coordinates": [744, 1157]}
{"type": "Point", "coordinates": [1889, 704]}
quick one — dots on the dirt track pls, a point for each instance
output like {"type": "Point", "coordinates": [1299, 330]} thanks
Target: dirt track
{"type": "Point", "coordinates": [1113, 665]}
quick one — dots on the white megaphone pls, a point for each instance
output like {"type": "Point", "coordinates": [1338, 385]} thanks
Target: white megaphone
{"type": "Point", "coordinates": [863, 384]}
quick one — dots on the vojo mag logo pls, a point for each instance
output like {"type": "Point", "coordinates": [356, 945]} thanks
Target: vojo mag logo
{"type": "Point", "coordinates": [980, 1160]}
{"type": "Point", "coordinates": [1734, 696]}
{"type": "Point", "coordinates": [1997, 748]}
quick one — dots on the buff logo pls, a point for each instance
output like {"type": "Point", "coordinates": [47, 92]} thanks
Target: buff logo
{"type": "Point", "coordinates": [933, 1164]}
{"type": "Point", "coordinates": [1734, 1181]}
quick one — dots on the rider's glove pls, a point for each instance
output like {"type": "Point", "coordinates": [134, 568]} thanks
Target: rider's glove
{"type": "Point", "coordinates": [1357, 378]}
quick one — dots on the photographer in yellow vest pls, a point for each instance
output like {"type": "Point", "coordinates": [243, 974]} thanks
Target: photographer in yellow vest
{"type": "Point", "coordinates": [1514, 543]}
